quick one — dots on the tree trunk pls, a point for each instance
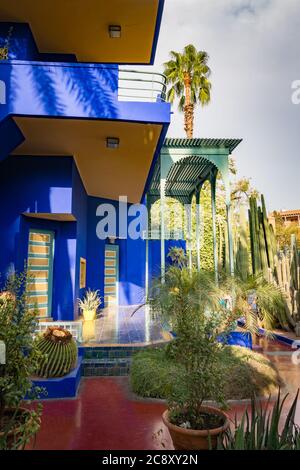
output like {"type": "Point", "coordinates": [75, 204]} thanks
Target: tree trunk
{"type": "Point", "coordinates": [188, 108]}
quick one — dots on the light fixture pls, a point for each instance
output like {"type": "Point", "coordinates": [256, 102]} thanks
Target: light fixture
{"type": "Point", "coordinates": [112, 142]}
{"type": "Point", "coordinates": [114, 31]}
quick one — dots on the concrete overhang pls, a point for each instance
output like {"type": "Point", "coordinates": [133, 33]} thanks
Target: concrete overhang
{"type": "Point", "coordinates": [80, 27]}
{"type": "Point", "coordinates": [105, 172]}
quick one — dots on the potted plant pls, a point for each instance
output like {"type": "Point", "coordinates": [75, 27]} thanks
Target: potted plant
{"type": "Point", "coordinates": [89, 304]}
{"type": "Point", "coordinates": [191, 302]}
{"type": "Point", "coordinates": [18, 425]}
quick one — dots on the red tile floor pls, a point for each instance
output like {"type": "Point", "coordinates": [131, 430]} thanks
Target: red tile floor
{"type": "Point", "coordinates": [105, 416]}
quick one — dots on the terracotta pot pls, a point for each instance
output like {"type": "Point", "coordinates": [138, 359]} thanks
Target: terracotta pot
{"type": "Point", "coordinates": [10, 437]}
{"type": "Point", "coordinates": [189, 439]}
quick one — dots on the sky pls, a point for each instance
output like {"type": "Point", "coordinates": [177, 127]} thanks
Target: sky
{"type": "Point", "coordinates": [254, 49]}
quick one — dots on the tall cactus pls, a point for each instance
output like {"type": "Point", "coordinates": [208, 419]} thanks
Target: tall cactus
{"type": "Point", "coordinates": [242, 258]}
{"type": "Point", "coordinates": [58, 352]}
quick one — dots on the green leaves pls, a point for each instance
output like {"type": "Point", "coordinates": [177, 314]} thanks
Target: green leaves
{"type": "Point", "coordinates": [188, 74]}
{"type": "Point", "coordinates": [265, 428]}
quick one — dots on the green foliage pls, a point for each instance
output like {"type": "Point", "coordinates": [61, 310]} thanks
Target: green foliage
{"type": "Point", "coordinates": [58, 352]}
{"type": "Point", "coordinates": [4, 50]}
{"type": "Point", "coordinates": [191, 65]}
{"type": "Point", "coordinates": [17, 325]}
{"type": "Point", "coordinates": [246, 373]}
{"type": "Point", "coordinates": [191, 304]}
{"type": "Point", "coordinates": [258, 301]}
{"type": "Point", "coordinates": [177, 256]}
{"type": "Point", "coordinates": [91, 301]}
{"type": "Point", "coordinates": [284, 232]}
{"type": "Point", "coordinates": [264, 428]}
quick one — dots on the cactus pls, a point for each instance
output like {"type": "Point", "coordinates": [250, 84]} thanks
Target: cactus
{"type": "Point", "coordinates": [242, 258]}
{"type": "Point", "coordinates": [58, 352]}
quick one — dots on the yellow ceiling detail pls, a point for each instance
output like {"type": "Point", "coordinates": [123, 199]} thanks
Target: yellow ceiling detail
{"type": "Point", "coordinates": [105, 172]}
{"type": "Point", "coordinates": [81, 27]}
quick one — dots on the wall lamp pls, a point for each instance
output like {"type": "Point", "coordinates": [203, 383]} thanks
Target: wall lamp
{"type": "Point", "coordinates": [114, 31]}
{"type": "Point", "coordinates": [112, 142]}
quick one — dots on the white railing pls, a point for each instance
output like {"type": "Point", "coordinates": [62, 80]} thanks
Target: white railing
{"type": "Point", "coordinates": [168, 234]}
{"type": "Point", "coordinates": [75, 328]}
{"type": "Point", "coordinates": [135, 85]}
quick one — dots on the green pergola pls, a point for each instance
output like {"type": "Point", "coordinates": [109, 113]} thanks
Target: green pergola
{"type": "Point", "coordinates": [180, 172]}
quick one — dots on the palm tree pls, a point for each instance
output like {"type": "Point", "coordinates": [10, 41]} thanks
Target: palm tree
{"type": "Point", "coordinates": [188, 73]}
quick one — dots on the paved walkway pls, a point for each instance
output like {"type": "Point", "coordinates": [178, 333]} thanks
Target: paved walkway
{"type": "Point", "coordinates": [105, 416]}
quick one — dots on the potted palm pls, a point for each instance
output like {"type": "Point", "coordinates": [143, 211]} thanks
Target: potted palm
{"type": "Point", "coordinates": [191, 303]}
{"type": "Point", "coordinates": [18, 425]}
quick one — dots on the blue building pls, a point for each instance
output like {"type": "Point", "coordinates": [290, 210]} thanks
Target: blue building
{"type": "Point", "coordinates": [76, 131]}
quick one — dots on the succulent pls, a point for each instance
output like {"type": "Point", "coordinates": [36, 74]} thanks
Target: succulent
{"type": "Point", "coordinates": [59, 352]}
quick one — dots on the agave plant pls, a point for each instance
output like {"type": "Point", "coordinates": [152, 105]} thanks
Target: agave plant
{"type": "Point", "coordinates": [89, 304]}
{"type": "Point", "coordinates": [263, 428]}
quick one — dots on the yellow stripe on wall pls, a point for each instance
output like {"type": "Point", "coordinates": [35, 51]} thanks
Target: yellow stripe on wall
{"type": "Point", "coordinates": [37, 299]}
{"type": "Point", "coordinates": [32, 286]}
{"type": "Point", "coordinates": [110, 262]}
{"type": "Point", "coordinates": [42, 312]}
{"type": "Point", "coordinates": [39, 237]}
{"type": "Point", "coordinates": [110, 289]}
{"type": "Point", "coordinates": [38, 274]}
{"type": "Point", "coordinates": [110, 254]}
{"type": "Point", "coordinates": [38, 250]}
{"type": "Point", "coordinates": [38, 262]}
{"type": "Point", "coordinates": [109, 280]}
{"type": "Point", "coordinates": [110, 271]}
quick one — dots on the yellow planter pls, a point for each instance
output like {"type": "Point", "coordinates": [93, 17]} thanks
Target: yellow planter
{"type": "Point", "coordinates": [89, 315]}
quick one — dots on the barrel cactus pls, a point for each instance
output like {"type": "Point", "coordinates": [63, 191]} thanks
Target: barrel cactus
{"type": "Point", "coordinates": [59, 352]}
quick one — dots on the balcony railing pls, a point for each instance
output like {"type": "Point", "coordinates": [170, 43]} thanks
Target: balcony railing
{"type": "Point", "coordinates": [135, 85]}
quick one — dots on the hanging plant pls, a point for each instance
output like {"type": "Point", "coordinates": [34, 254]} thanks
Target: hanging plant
{"type": "Point", "coordinates": [4, 50]}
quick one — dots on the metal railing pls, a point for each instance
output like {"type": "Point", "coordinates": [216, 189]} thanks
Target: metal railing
{"type": "Point", "coordinates": [169, 234]}
{"type": "Point", "coordinates": [75, 327]}
{"type": "Point", "coordinates": [135, 85]}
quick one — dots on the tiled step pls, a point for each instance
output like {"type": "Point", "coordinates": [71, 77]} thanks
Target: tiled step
{"type": "Point", "coordinates": [105, 367]}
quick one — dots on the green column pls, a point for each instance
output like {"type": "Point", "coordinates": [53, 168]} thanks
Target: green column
{"type": "Point", "coordinates": [162, 227]}
{"type": "Point", "coordinates": [198, 227]}
{"type": "Point", "coordinates": [230, 241]}
{"type": "Point", "coordinates": [189, 232]}
{"type": "Point", "coordinates": [214, 228]}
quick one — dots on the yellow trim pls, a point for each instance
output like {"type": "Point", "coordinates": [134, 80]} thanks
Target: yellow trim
{"type": "Point", "coordinates": [38, 250]}
{"type": "Point", "coordinates": [38, 274]}
{"type": "Point", "coordinates": [110, 280]}
{"type": "Point", "coordinates": [39, 299]}
{"type": "Point", "coordinates": [110, 289]}
{"type": "Point", "coordinates": [38, 262]}
{"type": "Point", "coordinates": [42, 312]}
{"type": "Point", "coordinates": [110, 254]}
{"type": "Point", "coordinates": [110, 272]}
{"type": "Point", "coordinates": [33, 286]}
{"type": "Point", "coordinates": [80, 27]}
{"type": "Point", "coordinates": [109, 262]}
{"type": "Point", "coordinates": [39, 237]}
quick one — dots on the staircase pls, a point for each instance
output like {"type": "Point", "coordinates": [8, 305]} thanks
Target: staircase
{"type": "Point", "coordinates": [103, 361]}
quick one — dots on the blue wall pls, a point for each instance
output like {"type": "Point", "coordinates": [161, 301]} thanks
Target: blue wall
{"type": "Point", "coordinates": [80, 211]}
{"type": "Point", "coordinates": [33, 184]}
{"type": "Point", "coordinates": [22, 45]}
